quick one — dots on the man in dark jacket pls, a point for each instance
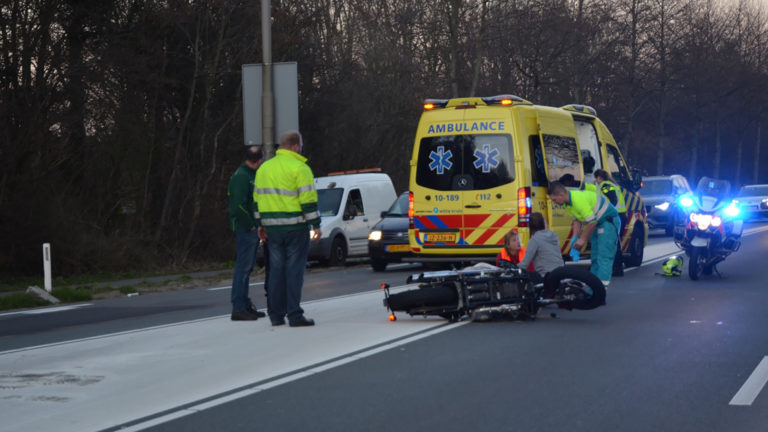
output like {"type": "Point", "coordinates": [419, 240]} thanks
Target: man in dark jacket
{"type": "Point", "coordinates": [245, 227]}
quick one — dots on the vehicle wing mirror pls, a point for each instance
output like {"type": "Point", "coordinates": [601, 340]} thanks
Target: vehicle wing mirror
{"type": "Point", "coordinates": [637, 180]}
{"type": "Point", "coordinates": [384, 214]}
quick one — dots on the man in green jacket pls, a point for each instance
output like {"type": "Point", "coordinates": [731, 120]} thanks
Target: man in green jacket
{"type": "Point", "coordinates": [245, 227]}
{"type": "Point", "coordinates": [287, 210]}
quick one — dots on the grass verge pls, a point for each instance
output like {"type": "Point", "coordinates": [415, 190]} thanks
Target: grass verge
{"type": "Point", "coordinates": [21, 300]}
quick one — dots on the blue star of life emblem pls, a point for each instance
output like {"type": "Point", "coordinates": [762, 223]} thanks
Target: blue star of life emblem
{"type": "Point", "coordinates": [486, 158]}
{"type": "Point", "coordinates": [440, 160]}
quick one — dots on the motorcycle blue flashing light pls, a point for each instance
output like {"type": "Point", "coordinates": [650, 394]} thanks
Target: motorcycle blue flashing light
{"type": "Point", "coordinates": [686, 201]}
{"type": "Point", "coordinates": [732, 210]}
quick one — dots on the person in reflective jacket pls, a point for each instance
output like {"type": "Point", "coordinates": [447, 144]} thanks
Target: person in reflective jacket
{"type": "Point", "coordinates": [608, 187]}
{"type": "Point", "coordinates": [596, 220]}
{"type": "Point", "coordinates": [286, 208]}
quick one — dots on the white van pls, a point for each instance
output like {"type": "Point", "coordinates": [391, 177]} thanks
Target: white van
{"type": "Point", "coordinates": [350, 204]}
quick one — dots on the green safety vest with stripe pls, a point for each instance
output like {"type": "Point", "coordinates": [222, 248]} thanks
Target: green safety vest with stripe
{"type": "Point", "coordinates": [606, 187]}
{"type": "Point", "coordinates": [588, 206]}
{"type": "Point", "coordinates": [285, 195]}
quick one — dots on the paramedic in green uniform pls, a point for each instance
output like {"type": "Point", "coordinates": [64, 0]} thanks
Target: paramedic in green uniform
{"type": "Point", "coordinates": [596, 220]}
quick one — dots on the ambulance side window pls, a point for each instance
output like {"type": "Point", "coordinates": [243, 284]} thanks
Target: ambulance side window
{"type": "Point", "coordinates": [562, 158]}
{"type": "Point", "coordinates": [619, 171]}
{"type": "Point", "coordinates": [538, 173]}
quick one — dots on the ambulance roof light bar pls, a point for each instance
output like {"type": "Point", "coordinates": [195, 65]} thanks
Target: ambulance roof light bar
{"type": "Point", "coordinates": [430, 104]}
{"type": "Point", "coordinates": [505, 99]}
{"type": "Point", "coordinates": [586, 109]}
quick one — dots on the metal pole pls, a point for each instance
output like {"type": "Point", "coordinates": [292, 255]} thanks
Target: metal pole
{"type": "Point", "coordinates": [268, 97]}
{"type": "Point", "coordinates": [47, 266]}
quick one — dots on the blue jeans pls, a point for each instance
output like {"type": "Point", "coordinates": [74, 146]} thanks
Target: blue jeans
{"type": "Point", "coordinates": [246, 243]}
{"type": "Point", "coordinates": [287, 261]}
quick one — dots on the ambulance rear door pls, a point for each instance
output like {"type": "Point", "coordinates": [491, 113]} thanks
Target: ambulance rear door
{"type": "Point", "coordinates": [464, 170]}
{"type": "Point", "coordinates": [562, 162]}
{"type": "Point", "coordinates": [490, 198]}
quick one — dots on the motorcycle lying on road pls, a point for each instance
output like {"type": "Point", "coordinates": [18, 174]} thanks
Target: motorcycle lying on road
{"type": "Point", "coordinates": [712, 229]}
{"type": "Point", "coordinates": [489, 292]}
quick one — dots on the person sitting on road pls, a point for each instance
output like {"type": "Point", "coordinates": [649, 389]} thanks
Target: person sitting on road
{"type": "Point", "coordinates": [543, 249]}
{"type": "Point", "coordinates": [512, 252]}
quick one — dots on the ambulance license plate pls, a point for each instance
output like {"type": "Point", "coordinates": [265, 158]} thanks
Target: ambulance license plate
{"type": "Point", "coordinates": [440, 238]}
{"type": "Point", "coordinates": [398, 248]}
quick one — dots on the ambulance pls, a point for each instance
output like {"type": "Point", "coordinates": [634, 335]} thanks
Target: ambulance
{"type": "Point", "coordinates": [481, 165]}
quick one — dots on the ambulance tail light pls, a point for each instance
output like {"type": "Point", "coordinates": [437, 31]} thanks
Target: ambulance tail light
{"type": "Point", "coordinates": [523, 206]}
{"type": "Point", "coordinates": [410, 210]}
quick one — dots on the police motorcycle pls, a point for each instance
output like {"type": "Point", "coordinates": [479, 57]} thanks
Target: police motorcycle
{"type": "Point", "coordinates": [712, 229]}
{"type": "Point", "coordinates": [484, 292]}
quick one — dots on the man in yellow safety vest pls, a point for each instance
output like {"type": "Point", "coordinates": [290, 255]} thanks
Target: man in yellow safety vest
{"type": "Point", "coordinates": [286, 201]}
{"type": "Point", "coordinates": [596, 220]}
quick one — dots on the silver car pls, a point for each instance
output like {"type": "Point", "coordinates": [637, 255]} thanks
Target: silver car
{"type": "Point", "coordinates": [753, 200]}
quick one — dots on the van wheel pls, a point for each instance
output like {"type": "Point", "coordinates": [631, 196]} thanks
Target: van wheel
{"type": "Point", "coordinates": [338, 252]}
{"type": "Point", "coordinates": [635, 248]}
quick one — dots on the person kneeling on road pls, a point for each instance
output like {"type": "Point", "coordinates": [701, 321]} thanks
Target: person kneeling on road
{"type": "Point", "coordinates": [596, 220]}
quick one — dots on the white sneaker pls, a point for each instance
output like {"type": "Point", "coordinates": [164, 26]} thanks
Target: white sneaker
{"type": "Point", "coordinates": [606, 283]}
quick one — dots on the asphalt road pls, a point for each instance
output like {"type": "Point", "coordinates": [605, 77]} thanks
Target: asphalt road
{"type": "Point", "coordinates": [666, 354]}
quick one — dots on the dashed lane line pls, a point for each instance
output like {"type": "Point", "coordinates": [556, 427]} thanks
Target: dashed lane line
{"type": "Point", "coordinates": [752, 387]}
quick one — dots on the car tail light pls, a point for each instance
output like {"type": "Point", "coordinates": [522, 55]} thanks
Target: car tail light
{"type": "Point", "coordinates": [523, 206]}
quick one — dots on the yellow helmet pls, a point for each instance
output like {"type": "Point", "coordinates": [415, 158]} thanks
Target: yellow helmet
{"type": "Point", "coordinates": [673, 266]}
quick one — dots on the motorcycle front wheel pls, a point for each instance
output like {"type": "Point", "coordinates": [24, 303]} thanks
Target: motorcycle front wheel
{"type": "Point", "coordinates": [584, 288]}
{"type": "Point", "coordinates": [696, 263]}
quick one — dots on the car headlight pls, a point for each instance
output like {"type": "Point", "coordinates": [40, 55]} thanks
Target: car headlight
{"type": "Point", "coordinates": [663, 206]}
{"type": "Point", "coordinates": [314, 234]}
{"type": "Point", "coordinates": [765, 200]}
{"type": "Point", "coordinates": [375, 235]}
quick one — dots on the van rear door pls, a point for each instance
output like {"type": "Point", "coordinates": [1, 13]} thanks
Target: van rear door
{"type": "Point", "coordinates": [464, 169]}
{"type": "Point", "coordinates": [557, 135]}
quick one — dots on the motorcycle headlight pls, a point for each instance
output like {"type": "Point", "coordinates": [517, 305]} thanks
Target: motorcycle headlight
{"type": "Point", "coordinates": [702, 221]}
{"type": "Point", "coordinates": [716, 221]}
{"type": "Point", "coordinates": [375, 235]}
{"type": "Point", "coordinates": [663, 206]}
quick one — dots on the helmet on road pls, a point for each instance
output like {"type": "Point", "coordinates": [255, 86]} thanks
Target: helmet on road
{"type": "Point", "coordinates": [673, 266]}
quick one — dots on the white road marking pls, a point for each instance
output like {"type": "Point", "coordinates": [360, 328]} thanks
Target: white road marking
{"type": "Point", "coordinates": [284, 380]}
{"type": "Point", "coordinates": [230, 286]}
{"type": "Point", "coordinates": [46, 310]}
{"type": "Point", "coordinates": [754, 384]}
{"type": "Point", "coordinates": [134, 375]}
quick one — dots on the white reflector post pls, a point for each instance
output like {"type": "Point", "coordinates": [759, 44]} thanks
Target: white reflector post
{"type": "Point", "coordinates": [47, 266]}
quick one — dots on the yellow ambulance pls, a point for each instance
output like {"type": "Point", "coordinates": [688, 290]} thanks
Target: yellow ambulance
{"type": "Point", "coordinates": [481, 165]}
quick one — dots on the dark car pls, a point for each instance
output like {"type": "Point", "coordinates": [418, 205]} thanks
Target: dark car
{"type": "Point", "coordinates": [388, 239]}
{"type": "Point", "coordinates": [660, 195]}
{"type": "Point", "coordinates": [753, 200]}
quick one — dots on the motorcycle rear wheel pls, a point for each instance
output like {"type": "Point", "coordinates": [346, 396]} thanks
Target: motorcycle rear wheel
{"type": "Point", "coordinates": [587, 288]}
{"type": "Point", "coordinates": [425, 296]}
